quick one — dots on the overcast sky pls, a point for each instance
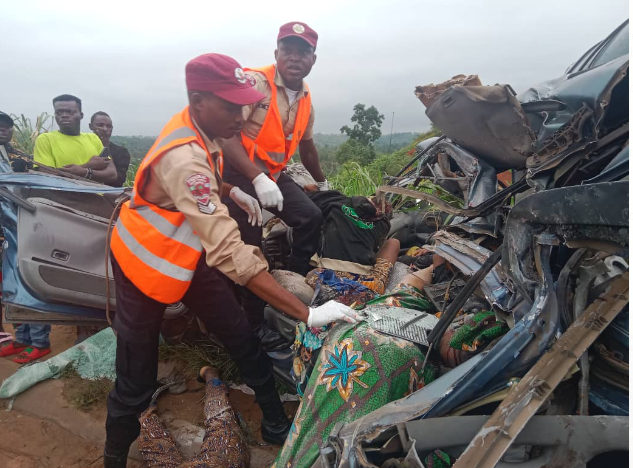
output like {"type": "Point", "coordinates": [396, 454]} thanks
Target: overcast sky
{"type": "Point", "coordinates": [127, 57]}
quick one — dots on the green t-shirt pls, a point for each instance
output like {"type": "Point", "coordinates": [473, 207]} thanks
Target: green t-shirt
{"type": "Point", "coordinates": [57, 150]}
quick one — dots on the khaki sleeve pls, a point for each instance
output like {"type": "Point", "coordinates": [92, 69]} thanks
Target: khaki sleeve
{"type": "Point", "coordinates": [261, 85]}
{"type": "Point", "coordinates": [308, 134]}
{"type": "Point", "coordinates": [184, 177]}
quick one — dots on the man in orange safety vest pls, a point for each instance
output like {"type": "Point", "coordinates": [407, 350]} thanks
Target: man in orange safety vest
{"type": "Point", "coordinates": [175, 241]}
{"type": "Point", "coordinates": [274, 129]}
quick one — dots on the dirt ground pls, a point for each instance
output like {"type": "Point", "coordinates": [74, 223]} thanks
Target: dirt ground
{"type": "Point", "coordinates": [30, 439]}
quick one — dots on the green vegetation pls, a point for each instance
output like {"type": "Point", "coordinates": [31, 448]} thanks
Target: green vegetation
{"type": "Point", "coordinates": [367, 123]}
{"type": "Point", "coordinates": [25, 132]}
{"type": "Point", "coordinates": [356, 179]}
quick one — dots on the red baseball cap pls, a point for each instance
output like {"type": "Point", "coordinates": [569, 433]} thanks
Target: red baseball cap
{"type": "Point", "coordinates": [301, 30]}
{"type": "Point", "coordinates": [222, 76]}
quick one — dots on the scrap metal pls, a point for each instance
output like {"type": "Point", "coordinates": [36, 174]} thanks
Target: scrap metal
{"type": "Point", "coordinates": [505, 424]}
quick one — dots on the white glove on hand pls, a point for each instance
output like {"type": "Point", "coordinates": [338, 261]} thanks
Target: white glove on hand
{"type": "Point", "coordinates": [331, 311]}
{"type": "Point", "coordinates": [323, 186]}
{"type": "Point", "coordinates": [268, 192]}
{"type": "Point", "coordinates": [248, 204]}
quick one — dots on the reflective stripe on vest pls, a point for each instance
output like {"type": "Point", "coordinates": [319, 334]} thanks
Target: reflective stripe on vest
{"type": "Point", "coordinates": [271, 151]}
{"type": "Point", "coordinates": [151, 260]}
{"type": "Point", "coordinates": [157, 248]}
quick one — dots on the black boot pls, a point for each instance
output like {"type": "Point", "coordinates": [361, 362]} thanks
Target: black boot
{"type": "Point", "coordinates": [276, 432]}
{"type": "Point", "coordinates": [114, 461]}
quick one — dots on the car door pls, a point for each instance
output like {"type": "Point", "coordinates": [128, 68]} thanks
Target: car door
{"type": "Point", "coordinates": [55, 246]}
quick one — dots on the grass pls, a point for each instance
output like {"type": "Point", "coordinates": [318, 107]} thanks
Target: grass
{"type": "Point", "coordinates": [354, 180]}
{"type": "Point", "coordinates": [83, 393]}
{"type": "Point", "coordinates": [207, 354]}
{"type": "Point", "coordinates": [25, 132]}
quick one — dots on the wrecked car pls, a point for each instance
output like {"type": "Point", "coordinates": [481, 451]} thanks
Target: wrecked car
{"type": "Point", "coordinates": [548, 252]}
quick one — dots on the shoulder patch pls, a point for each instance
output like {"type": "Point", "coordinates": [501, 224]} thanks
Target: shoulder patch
{"type": "Point", "coordinates": [200, 187]}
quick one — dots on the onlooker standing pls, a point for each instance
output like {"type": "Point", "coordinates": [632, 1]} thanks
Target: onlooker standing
{"type": "Point", "coordinates": [101, 125]}
{"type": "Point", "coordinates": [69, 148]}
{"type": "Point", "coordinates": [31, 341]}
{"type": "Point", "coordinates": [7, 152]}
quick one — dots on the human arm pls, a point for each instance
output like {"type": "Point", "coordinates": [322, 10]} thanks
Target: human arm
{"type": "Point", "coordinates": [99, 169]}
{"type": "Point", "coordinates": [310, 159]}
{"type": "Point", "coordinates": [265, 287]}
{"type": "Point", "coordinates": [267, 191]}
{"type": "Point", "coordinates": [121, 158]}
{"type": "Point", "coordinates": [192, 188]}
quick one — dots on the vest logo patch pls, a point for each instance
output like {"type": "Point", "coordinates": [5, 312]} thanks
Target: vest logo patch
{"type": "Point", "coordinates": [200, 187]}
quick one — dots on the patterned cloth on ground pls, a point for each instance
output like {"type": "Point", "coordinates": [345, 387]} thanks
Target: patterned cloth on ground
{"type": "Point", "coordinates": [223, 445]}
{"type": "Point", "coordinates": [357, 371]}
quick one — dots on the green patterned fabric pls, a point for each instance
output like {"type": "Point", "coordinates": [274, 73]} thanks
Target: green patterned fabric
{"type": "Point", "coordinates": [358, 371]}
{"type": "Point", "coordinates": [478, 331]}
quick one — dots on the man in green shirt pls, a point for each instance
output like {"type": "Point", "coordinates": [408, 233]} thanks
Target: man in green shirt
{"type": "Point", "coordinates": [69, 148]}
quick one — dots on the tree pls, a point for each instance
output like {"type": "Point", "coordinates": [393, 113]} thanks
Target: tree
{"type": "Point", "coordinates": [367, 123]}
{"type": "Point", "coordinates": [355, 151]}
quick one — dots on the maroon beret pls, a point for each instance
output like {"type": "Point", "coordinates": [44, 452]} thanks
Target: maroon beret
{"type": "Point", "coordinates": [301, 30]}
{"type": "Point", "coordinates": [222, 76]}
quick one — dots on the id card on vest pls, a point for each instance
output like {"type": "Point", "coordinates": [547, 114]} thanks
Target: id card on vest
{"type": "Point", "coordinates": [200, 187]}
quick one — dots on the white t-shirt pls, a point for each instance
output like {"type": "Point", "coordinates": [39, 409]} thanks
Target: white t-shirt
{"type": "Point", "coordinates": [292, 95]}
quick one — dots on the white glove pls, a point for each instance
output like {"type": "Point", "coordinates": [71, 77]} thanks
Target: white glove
{"type": "Point", "coordinates": [268, 192]}
{"type": "Point", "coordinates": [331, 311]}
{"type": "Point", "coordinates": [323, 186]}
{"type": "Point", "coordinates": [248, 204]}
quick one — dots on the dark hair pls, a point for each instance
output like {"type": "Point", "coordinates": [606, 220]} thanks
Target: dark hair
{"type": "Point", "coordinates": [67, 97]}
{"type": "Point", "coordinates": [92, 119]}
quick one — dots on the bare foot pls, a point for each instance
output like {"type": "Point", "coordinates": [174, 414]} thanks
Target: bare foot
{"type": "Point", "coordinates": [209, 373]}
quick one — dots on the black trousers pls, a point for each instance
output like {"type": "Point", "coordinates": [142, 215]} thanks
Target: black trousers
{"type": "Point", "coordinates": [137, 323]}
{"type": "Point", "coordinates": [299, 212]}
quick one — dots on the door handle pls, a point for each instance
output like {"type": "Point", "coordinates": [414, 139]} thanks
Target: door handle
{"type": "Point", "coordinates": [60, 255]}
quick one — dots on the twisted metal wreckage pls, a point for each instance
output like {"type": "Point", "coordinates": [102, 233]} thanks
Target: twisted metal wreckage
{"type": "Point", "coordinates": [547, 251]}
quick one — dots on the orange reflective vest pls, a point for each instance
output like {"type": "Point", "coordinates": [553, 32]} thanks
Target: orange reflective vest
{"type": "Point", "coordinates": [157, 248]}
{"type": "Point", "coordinates": [271, 151]}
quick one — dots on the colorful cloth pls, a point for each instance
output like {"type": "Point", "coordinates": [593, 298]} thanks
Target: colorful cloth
{"type": "Point", "coordinates": [350, 288]}
{"type": "Point", "coordinates": [404, 295]}
{"type": "Point", "coordinates": [468, 335]}
{"type": "Point", "coordinates": [223, 445]}
{"type": "Point", "coordinates": [357, 371]}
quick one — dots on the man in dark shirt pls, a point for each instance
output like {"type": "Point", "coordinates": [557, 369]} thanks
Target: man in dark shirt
{"type": "Point", "coordinates": [101, 125]}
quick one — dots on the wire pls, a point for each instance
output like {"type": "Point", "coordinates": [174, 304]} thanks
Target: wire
{"type": "Point", "coordinates": [115, 213]}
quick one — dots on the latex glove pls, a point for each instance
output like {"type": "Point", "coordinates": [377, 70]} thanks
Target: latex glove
{"type": "Point", "coordinates": [268, 192]}
{"type": "Point", "coordinates": [248, 204]}
{"type": "Point", "coordinates": [323, 186]}
{"type": "Point", "coordinates": [331, 311]}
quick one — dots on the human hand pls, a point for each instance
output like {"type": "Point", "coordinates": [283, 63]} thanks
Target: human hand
{"type": "Point", "coordinates": [268, 192]}
{"type": "Point", "coordinates": [331, 311]}
{"type": "Point", "coordinates": [311, 188]}
{"type": "Point", "coordinates": [97, 163]}
{"type": "Point", "coordinates": [248, 204]}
